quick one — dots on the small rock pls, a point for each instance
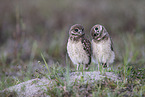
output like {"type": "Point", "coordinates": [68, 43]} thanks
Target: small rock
{"type": "Point", "coordinates": [38, 87]}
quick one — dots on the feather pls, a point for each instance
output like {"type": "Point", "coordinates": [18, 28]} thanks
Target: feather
{"type": "Point", "coordinates": [87, 47]}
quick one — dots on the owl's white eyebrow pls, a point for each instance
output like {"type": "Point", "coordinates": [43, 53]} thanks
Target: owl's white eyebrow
{"type": "Point", "coordinates": [100, 28]}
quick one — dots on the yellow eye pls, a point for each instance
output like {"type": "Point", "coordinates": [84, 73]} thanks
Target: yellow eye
{"type": "Point", "coordinates": [96, 28]}
{"type": "Point", "coordinates": [76, 30]}
{"type": "Point", "coordinates": [95, 34]}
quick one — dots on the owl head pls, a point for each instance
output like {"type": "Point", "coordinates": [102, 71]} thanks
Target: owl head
{"type": "Point", "coordinates": [98, 32]}
{"type": "Point", "coordinates": [76, 30]}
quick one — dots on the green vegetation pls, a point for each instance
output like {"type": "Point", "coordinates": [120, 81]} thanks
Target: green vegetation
{"type": "Point", "coordinates": [29, 28]}
{"type": "Point", "coordinates": [132, 84]}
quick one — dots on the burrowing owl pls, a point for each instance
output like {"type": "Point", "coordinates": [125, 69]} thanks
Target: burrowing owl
{"type": "Point", "coordinates": [102, 49]}
{"type": "Point", "coordinates": [78, 47]}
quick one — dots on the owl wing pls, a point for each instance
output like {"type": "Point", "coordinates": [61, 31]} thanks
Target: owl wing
{"type": "Point", "coordinates": [111, 44]}
{"type": "Point", "coordinates": [109, 37]}
{"type": "Point", "coordinates": [87, 47]}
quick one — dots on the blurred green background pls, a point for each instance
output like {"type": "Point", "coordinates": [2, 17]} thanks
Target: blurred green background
{"type": "Point", "coordinates": [31, 27]}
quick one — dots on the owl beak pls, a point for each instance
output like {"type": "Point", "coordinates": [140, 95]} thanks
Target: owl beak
{"type": "Point", "coordinates": [97, 33]}
{"type": "Point", "coordinates": [81, 33]}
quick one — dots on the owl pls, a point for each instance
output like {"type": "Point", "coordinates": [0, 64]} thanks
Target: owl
{"type": "Point", "coordinates": [78, 46]}
{"type": "Point", "coordinates": [102, 46]}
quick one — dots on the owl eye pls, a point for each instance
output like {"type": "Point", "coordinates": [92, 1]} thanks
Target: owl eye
{"type": "Point", "coordinates": [82, 29]}
{"type": "Point", "coordinates": [76, 30]}
{"type": "Point", "coordinates": [96, 28]}
{"type": "Point", "coordinates": [95, 34]}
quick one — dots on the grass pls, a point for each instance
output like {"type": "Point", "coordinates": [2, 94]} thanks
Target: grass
{"type": "Point", "coordinates": [128, 87]}
{"type": "Point", "coordinates": [129, 66]}
{"type": "Point", "coordinates": [132, 74]}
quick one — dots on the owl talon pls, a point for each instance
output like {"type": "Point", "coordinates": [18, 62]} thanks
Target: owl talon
{"type": "Point", "coordinates": [104, 65]}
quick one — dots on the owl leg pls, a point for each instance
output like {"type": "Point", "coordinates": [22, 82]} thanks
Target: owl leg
{"type": "Point", "coordinates": [78, 66]}
{"type": "Point", "coordinates": [109, 68]}
{"type": "Point", "coordinates": [105, 65]}
{"type": "Point", "coordinates": [86, 67]}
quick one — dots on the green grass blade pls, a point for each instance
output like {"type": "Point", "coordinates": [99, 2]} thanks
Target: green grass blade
{"type": "Point", "coordinates": [45, 63]}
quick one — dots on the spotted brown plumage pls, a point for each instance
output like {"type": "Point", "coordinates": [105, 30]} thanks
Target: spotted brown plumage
{"type": "Point", "coordinates": [102, 46]}
{"type": "Point", "coordinates": [87, 47]}
{"type": "Point", "coordinates": [78, 47]}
